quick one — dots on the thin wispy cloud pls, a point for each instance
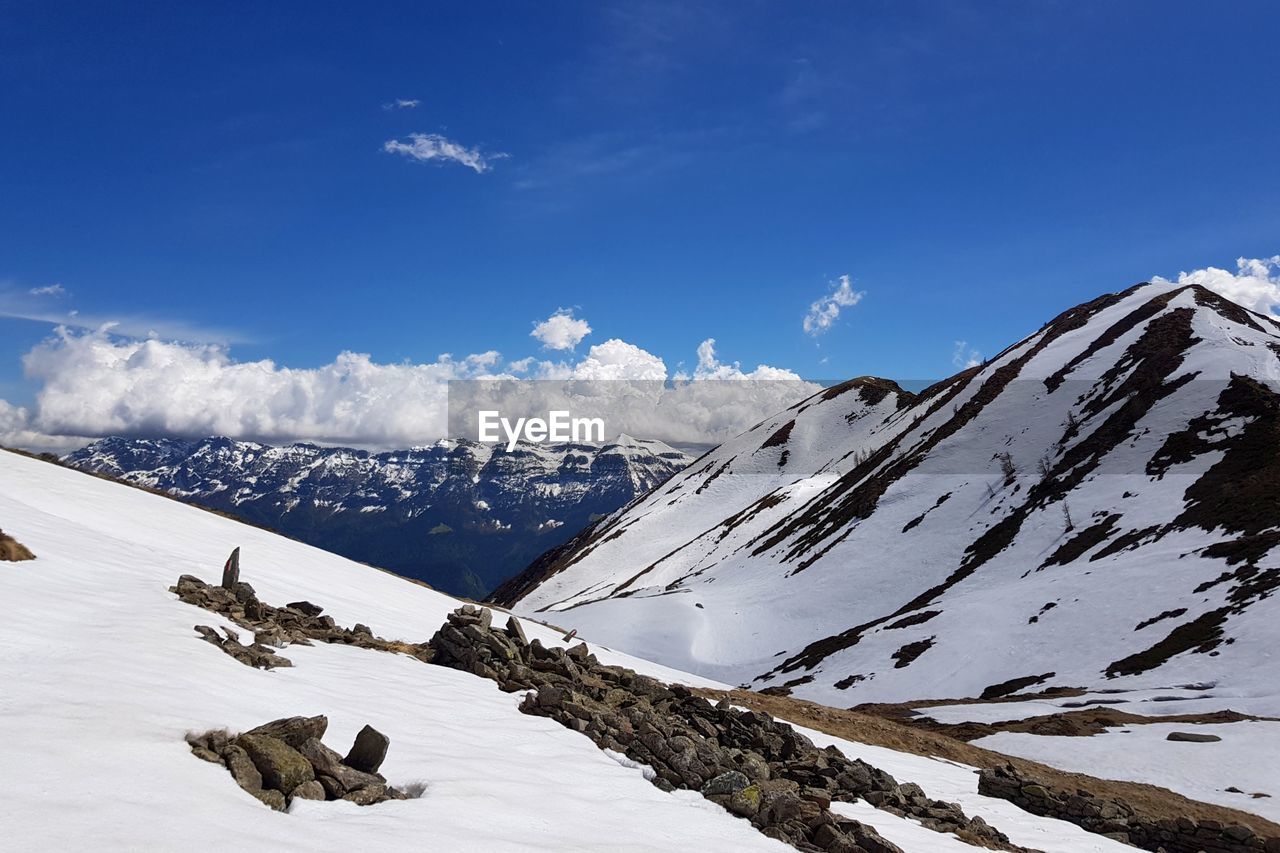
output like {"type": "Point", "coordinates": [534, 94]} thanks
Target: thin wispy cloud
{"type": "Point", "coordinates": [964, 356]}
{"type": "Point", "coordinates": [401, 104]}
{"type": "Point", "coordinates": [34, 305]}
{"type": "Point", "coordinates": [824, 312]}
{"type": "Point", "coordinates": [432, 147]}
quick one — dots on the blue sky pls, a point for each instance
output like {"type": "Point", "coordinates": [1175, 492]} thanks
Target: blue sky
{"type": "Point", "coordinates": [671, 171]}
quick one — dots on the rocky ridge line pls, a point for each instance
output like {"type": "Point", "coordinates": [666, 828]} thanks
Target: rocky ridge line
{"type": "Point", "coordinates": [754, 766]}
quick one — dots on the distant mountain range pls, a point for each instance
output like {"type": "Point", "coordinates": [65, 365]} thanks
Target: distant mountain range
{"type": "Point", "coordinates": [1097, 506]}
{"type": "Point", "coordinates": [461, 516]}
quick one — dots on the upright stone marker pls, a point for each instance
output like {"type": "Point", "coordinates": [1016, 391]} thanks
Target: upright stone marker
{"type": "Point", "coordinates": [231, 571]}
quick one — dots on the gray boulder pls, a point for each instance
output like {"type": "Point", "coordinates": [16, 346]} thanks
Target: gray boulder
{"type": "Point", "coordinates": [294, 731]}
{"type": "Point", "coordinates": [1192, 737]}
{"type": "Point", "coordinates": [368, 751]}
{"type": "Point", "coordinates": [282, 767]}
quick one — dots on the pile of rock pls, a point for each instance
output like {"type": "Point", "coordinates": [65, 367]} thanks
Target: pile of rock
{"type": "Point", "coordinates": [285, 760]}
{"type": "Point", "coordinates": [299, 622]}
{"type": "Point", "coordinates": [1117, 819]}
{"type": "Point", "coordinates": [754, 766]}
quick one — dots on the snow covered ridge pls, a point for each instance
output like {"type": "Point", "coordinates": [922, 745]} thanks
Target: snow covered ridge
{"type": "Point", "coordinates": [104, 678]}
{"type": "Point", "coordinates": [1098, 506]}
{"type": "Point", "coordinates": [459, 515]}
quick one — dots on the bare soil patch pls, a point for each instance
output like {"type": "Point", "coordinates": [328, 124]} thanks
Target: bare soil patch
{"type": "Point", "coordinates": [1152, 802]}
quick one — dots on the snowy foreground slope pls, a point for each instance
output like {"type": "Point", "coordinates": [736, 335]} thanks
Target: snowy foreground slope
{"type": "Point", "coordinates": [103, 676]}
{"type": "Point", "coordinates": [1095, 507]}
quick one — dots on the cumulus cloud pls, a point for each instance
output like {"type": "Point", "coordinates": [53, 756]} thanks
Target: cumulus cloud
{"type": "Point", "coordinates": [95, 383]}
{"type": "Point", "coordinates": [1255, 284]}
{"type": "Point", "coordinates": [824, 312]}
{"type": "Point", "coordinates": [964, 356]}
{"type": "Point", "coordinates": [428, 147]}
{"type": "Point", "coordinates": [561, 331]}
{"type": "Point", "coordinates": [402, 104]}
{"type": "Point", "coordinates": [710, 367]}
{"type": "Point", "coordinates": [48, 290]}
{"type": "Point", "coordinates": [616, 359]}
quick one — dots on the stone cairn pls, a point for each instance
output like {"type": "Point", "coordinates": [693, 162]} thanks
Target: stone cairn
{"type": "Point", "coordinates": [1118, 820]}
{"type": "Point", "coordinates": [299, 622]}
{"type": "Point", "coordinates": [755, 767]}
{"type": "Point", "coordinates": [284, 760]}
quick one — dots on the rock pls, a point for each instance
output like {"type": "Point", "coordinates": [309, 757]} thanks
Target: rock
{"type": "Point", "coordinates": [242, 769]}
{"type": "Point", "coordinates": [272, 797]}
{"type": "Point", "coordinates": [328, 764]}
{"type": "Point", "coordinates": [230, 570]}
{"type": "Point", "coordinates": [282, 767]}
{"type": "Point", "coordinates": [306, 608]}
{"type": "Point", "coordinates": [725, 783]}
{"type": "Point", "coordinates": [1192, 737]}
{"type": "Point", "coordinates": [367, 795]}
{"type": "Point", "coordinates": [516, 632]}
{"type": "Point", "coordinates": [294, 731]}
{"type": "Point", "coordinates": [1236, 832]}
{"type": "Point", "coordinates": [745, 802]}
{"type": "Point", "coordinates": [333, 789]}
{"type": "Point", "coordinates": [312, 790]}
{"type": "Point", "coordinates": [188, 585]}
{"type": "Point", "coordinates": [243, 592]}
{"type": "Point", "coordinates": [368, 751]}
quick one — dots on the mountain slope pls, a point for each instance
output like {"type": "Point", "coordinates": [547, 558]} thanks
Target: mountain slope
{"type": "Point", "coordinates": [1096, 506]}
{"type": "Point", "coordinates": [104, 675]}
{"type": "Point", "coordinates": [459, 515]}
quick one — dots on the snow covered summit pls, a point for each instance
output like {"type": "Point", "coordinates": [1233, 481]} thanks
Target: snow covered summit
{"type": "Point", "coordinates": [1097, 506]}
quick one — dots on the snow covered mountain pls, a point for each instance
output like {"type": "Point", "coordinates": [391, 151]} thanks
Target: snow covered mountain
{"type": "Point", "coordinates": [1098, 506]}
{"type": "Point", "coordinates": [459, 515]}
{"type": "Point", "coordinates": [104, 677]}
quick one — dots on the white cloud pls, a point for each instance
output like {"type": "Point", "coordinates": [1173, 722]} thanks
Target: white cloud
{"type": "Point", "coordinates": [616, 359]}
{"type": "Point", "coordinates": [16, 430]}
{"type": "Point", "coordinates": [93, 384]}
{"type": "Point", "coordinates": [402, 104]}
{"type": "Point", "coordinates": [964, 356]}
{"type": "Point", "coordinates": [1255, 284]}
{"type": "Point", "coordinates": [824, 312]}
{"type": "Point", "coordinates": [561, 330]}
{"type": "Point", "coordinates": [426, 147]}
{"type": "Point", "coordinates": [48, 290]}
{"type": "Point", "coordinates": [710, 367]}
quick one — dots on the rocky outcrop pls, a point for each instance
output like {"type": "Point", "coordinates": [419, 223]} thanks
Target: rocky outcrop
{"type": "Point", "coordinates": [12, 550]}
{"type": "Point", "coordinates": [300, 622]}
{"type": "Point", "coordinates": [752, 765]}
{"type": "Point", "coordinates": [1116, 819]}
{"type": "Point", "coordinates": [285, 760]}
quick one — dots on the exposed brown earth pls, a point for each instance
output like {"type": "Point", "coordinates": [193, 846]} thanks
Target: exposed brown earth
{"type": "Point", "coordinates": [1152, 802]}
{"type": "Point", "coordinates": [1077, 723]}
